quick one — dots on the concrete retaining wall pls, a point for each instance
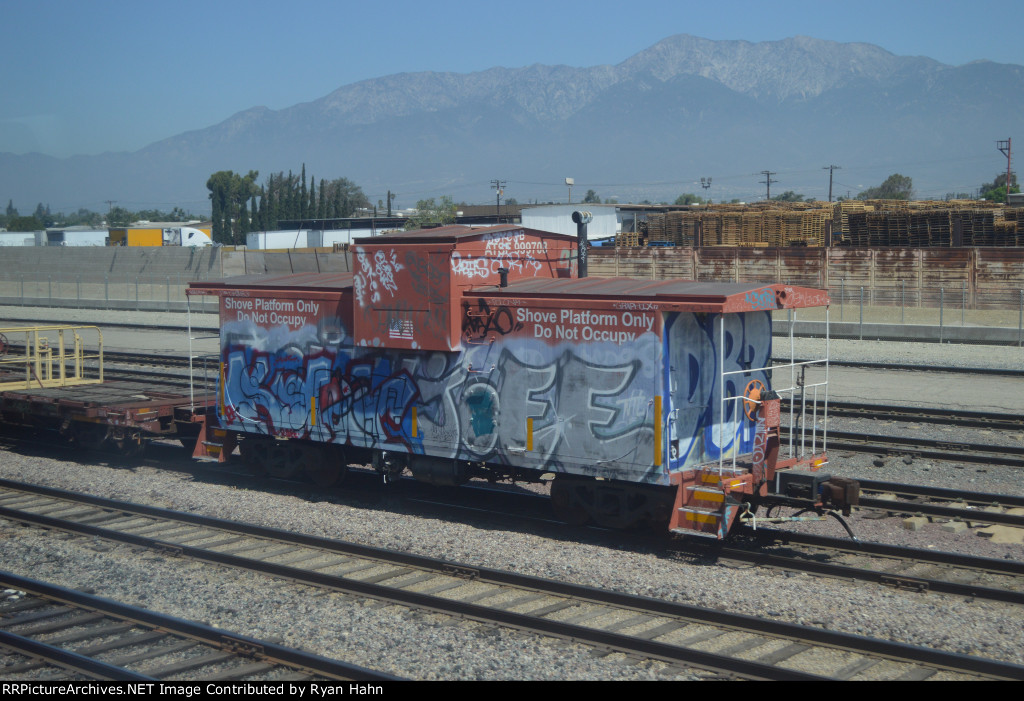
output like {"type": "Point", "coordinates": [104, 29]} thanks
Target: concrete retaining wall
{"type": "Point", "coordinates": [94, 264]}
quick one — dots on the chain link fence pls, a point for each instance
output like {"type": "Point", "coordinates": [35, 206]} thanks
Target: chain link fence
{"type": "Point", "coordinates": [944, 314]}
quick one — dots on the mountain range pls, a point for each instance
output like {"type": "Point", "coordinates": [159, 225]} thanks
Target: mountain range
{"type": "Point", "coordinates": [647, 128]}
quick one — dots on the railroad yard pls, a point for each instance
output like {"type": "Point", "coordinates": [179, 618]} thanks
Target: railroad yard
{"type": "Point", "coordinates": [766, 618]}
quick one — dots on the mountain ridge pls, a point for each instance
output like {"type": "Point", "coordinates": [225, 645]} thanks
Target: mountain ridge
{"type": "Point", "coordinates": [727, 106]}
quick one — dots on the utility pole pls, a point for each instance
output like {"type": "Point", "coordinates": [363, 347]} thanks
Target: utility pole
{"type": "Point", "coordinates": [830, 169]}
{"type": "Point", "coordinates": [768, 181]}
{"type": "Point", "coordinates": [1004, 146]}
{"type": "Point", "coordinates": [499, 186]}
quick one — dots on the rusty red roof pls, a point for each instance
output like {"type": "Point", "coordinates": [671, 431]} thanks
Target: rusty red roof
{"type": "Point", "coordinates": [668, 295]}
{"type": "Point", "coordinates": [297, 281]}
{"type": "Point", "coordinates": [675, 295]}
{"type": "Point", "coordinates": [451, 234]}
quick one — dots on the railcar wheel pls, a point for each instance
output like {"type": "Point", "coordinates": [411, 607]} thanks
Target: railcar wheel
{"type": "Point", "coordinates": [89, 436]}
{"type": "Point", "coordinates": [565, 503]}
{"type": "Point", "coordinates": [254, 450]}
{"type": "Point", "coordinates": [325, 466]}
{"type": "Point", "coordinates": [284, 460]}
{"type": "Point", "coordinates": [617, 509]}
{"type": "Point", "coordinates": [130, 446]}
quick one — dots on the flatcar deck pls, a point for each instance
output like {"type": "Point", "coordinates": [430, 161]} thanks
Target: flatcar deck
{"type": "Point", "coordinates": [122, 412]}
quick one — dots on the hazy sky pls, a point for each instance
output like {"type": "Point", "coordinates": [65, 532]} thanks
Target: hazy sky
{"type": "Point", "coordinates": [106, 75]}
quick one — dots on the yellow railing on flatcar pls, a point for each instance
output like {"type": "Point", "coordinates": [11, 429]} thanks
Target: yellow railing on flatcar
{"type": "Point", "coordinates": [48, 356]}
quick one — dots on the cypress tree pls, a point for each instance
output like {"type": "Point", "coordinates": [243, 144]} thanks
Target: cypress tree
{"type": "Point", "coordinates": [263, 207]}
{"type": "Point", "coordinates": [311, 209]}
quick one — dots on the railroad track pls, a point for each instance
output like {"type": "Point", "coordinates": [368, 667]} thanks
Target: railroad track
{"type": "Point", "coordinates": [934, 415]}
{"type": "Point", "coordinates": [916, 491]}
{"type": "Point", "coordinates": [72, 635]}
{"type": "Point", "coordinates": [998, 372]}
{"type": "Point", "coordinates": [949, 504]}
{"type": "Point", "coordinates": [892, 566]}
{"type": "Point", "coordinates": [976, 453]}
{"type": "Point", "coordinates": [684, 636]}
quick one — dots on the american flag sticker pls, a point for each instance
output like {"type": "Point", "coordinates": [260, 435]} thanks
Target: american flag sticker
{"type": "Point", "coordinates": [400, 328]}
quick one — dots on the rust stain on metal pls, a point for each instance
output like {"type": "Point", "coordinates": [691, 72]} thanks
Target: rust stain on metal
{"type": "Point", "coordinates": [990, 278]}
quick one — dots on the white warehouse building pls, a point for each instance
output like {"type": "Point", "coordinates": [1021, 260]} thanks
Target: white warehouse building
{"type": "Point", "coordinates": [557, 219]}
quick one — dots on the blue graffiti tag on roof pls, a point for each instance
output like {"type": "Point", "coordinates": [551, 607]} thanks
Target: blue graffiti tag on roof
{"type": "Point", "coordinates": [760, 300]}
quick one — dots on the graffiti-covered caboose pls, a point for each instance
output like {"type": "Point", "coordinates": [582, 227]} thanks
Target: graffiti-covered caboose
{"type": "Point", "coordinates": [456, 353]}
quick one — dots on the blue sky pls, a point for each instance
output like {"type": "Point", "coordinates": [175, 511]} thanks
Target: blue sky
{"type": "Point", "coordinates": [108, 75]}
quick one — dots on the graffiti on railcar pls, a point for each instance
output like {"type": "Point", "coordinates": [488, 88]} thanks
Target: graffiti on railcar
{"type": "Point", "coordinates": [590, 404]}
{"type": "Point", "coordinates": [480, 320]}
{"type": "Point", "coordinates": [375, 274]}
{"type": "Point", "coordinates": [698, 430]}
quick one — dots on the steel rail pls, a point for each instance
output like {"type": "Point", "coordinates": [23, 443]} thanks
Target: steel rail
{"type": "Point", "coordinates": [941, 586]}
{"type": "Point", "coordinates": [270, 652]}
{"type": "Point", "coordinates": [867, 646]}
{"type": "Point", "coordinates": [1001, 372]}
{"type": "Point", "coordinates": [958, 417]}
{"type": "Point", "coordinates": [999, 566]}
{"type": "Point", "coordinates": [917, 490]}
{"type": "Point", "coordinates": [932, 449]}
{"type": "Point", "coordinates": [67, 659]}
{"type": "Point", "coordinates": [974, 516]}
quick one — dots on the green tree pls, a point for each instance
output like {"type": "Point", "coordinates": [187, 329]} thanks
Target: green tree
{"type": "Point", "coordinates": [348, 197]}
{"type": "Point", "coordinates": [303, 195]}
{"type": "Point", "coordinates": [995, 191]}
{"type": "Point", "coordinates": [119, 216]}
{"type": "Point", "coordinates": [895, 187]}
{"type": "Point", "coordinates": [43, 214]}
{"type": "Point", "coordinates": [24, 224]}
{"type": "Point", "coordinates": [429, 212]}
{"type": "Point", "coordinates": [591, 198]}
{"type": "Point", "coordinates": [688, 198]}
{"type": "Point", "coordinates": [254, 215]}
{"type": "Point", "coordinates": [229, 198]}
{"type": "Point", "coordinates": [311, 208]}
{"type": "Point", "coordinates": [788, 196]}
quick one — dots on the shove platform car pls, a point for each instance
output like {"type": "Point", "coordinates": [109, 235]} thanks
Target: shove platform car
{"type": "Point", "coordinates": [457, 353]}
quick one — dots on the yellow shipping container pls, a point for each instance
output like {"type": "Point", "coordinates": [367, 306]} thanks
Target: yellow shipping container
{"type": "Point", "coordinates": [136, 237]}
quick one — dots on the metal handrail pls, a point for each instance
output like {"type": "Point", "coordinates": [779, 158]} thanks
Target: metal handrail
{"type": "Point", "coordinates": [39, 364]}
{"type": "Point", "coordinates": [792, 390]}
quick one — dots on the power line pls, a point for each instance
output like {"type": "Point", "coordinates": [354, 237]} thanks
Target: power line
{"type": "Point", "coordinates": [830, 169]}
{"type": "Point", "coordinates": [768, 181]}
{"type": "Point", "coordinates": [499, 187]}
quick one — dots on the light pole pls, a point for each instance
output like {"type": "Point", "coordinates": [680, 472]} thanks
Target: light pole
{"type": "Point", "coordinates": [570, 182]}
